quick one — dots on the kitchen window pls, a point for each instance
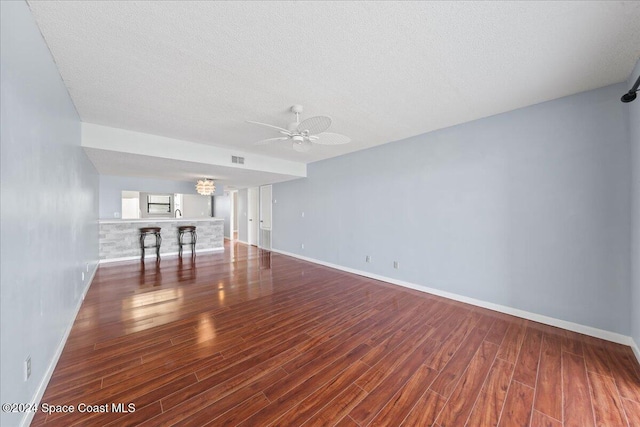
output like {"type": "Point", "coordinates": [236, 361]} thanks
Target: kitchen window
{"type": "Point", "coordinates": [159, 204]}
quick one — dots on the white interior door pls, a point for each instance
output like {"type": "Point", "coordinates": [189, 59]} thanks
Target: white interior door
{"type": "Point", "coordinates": [252, 216]}
{"type": "Point", "coordinates": [265, 217]}
{"type": "Point", "coordinates": [233, 225]}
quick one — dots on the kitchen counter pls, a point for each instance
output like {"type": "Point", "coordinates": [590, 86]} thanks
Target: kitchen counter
{"type": "Point", "coordinates": [120, 221]}
{"type": "Point", "coordinates": [120, 238]}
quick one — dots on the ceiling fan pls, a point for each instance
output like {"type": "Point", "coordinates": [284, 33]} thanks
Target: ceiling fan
{"type": "Point", "coordinates": [306, 133]}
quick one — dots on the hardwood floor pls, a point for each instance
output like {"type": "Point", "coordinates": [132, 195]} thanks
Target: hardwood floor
{"type": "Point", "coordinates": [255, 339]}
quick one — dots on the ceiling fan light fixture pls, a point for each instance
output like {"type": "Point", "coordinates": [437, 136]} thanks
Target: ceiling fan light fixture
{"type": "Point", "coordinates": [303, 134]}
{"type": "Point", "coordinates": [205, 187]}
{"type": "Point", "coordinates": [301, 146]}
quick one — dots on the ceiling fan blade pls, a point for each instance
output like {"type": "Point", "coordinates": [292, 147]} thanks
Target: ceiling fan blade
{"type": "Point", "coordinates": [314, 125]}
{"type": "Point", "coordinates": [329, 138]}
{"type": "Point", "coordinates": [267, 125]}
{"type": "Point", "coordinates": [269, 140]}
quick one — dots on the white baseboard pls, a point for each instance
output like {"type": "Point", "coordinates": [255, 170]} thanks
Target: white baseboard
{"type": "Point", "coordinates": [564, 324]}
{"type": "Point", "coordinates": [28, 416]}
{"type": "Point", "coordinates": [153, 255]}
{"type": "Point", "coordinates": [636, 349]}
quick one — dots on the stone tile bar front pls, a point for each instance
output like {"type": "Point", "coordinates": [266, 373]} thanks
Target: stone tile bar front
{"type": "Point", "coordinates": [120, 238]}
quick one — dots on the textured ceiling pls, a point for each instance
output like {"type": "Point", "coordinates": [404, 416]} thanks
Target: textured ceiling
{"type": "Point", "coordinates": [383, 71]}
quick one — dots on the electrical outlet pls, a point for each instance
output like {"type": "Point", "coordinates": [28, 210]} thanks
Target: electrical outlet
{"type": "Point", "coordinates": [302, 246]}
{"type": "Point", "coordinates": [396, 264]}
{"type": "Point", "coordinates": [367, 258]}
{"type": "Point", "coordinates": [116, 214]}
{"type": "Point", "coordinates": [27, 368]}
{"type": "Point", "coordinates": [83, 276]}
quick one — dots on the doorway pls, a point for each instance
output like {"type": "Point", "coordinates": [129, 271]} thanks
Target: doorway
{"type": "Point", "coordinates": [235, 220]}
{"type": "Point", "coordinates": [264, 238]}
{"type": "Point", "coordinates": [252, 216]}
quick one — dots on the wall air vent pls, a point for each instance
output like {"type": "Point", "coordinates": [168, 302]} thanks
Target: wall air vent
{"type": "Point", "coordinates": [237, 159]}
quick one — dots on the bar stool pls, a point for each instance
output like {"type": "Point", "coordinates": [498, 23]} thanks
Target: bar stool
{"type": "Point", "coordinates": [150, 231]}
{"type": "Point", "coordinates": [191, 230]}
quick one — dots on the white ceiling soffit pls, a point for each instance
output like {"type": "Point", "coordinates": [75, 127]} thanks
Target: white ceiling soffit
{"type": "Point", "coordinates": [109, 162]}
{"type": "Point", "coordinates": [383, 71]}
{"type": "Point", "coordinates": [129, 153]}
{"type": "Point", "coordinates": [126, 141]}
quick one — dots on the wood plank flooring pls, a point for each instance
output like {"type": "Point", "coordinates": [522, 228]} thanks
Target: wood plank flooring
{"type": "Point", "coordinates": [251, 338]}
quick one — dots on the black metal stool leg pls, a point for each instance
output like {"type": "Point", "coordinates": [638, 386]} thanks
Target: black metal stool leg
{"type": "Point", "coordinates": [192, 236]}
{"type": "Point", "coordinates": [155, 232]}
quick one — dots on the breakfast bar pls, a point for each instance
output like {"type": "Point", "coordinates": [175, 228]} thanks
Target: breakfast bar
{"type": "Point", "coordinates": [120, 238]}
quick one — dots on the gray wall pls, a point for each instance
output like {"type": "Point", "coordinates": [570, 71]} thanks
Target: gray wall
{"type": "Point", "coordinates": [222, 209]}
{"type": "Point", "coordinates": [634, 131]}
{"type": "Point", "coordinates": [111, 188]}
{"type": "Point", "coordinates": [243, 200]}
{"type": "Point", "coordinates": [49, 208]}
{"type": "Point", "coordinates": [528, 209]}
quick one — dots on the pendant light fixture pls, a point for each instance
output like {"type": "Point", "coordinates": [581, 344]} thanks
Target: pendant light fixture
{"type": "Point", "coordinates": [205, 187]}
